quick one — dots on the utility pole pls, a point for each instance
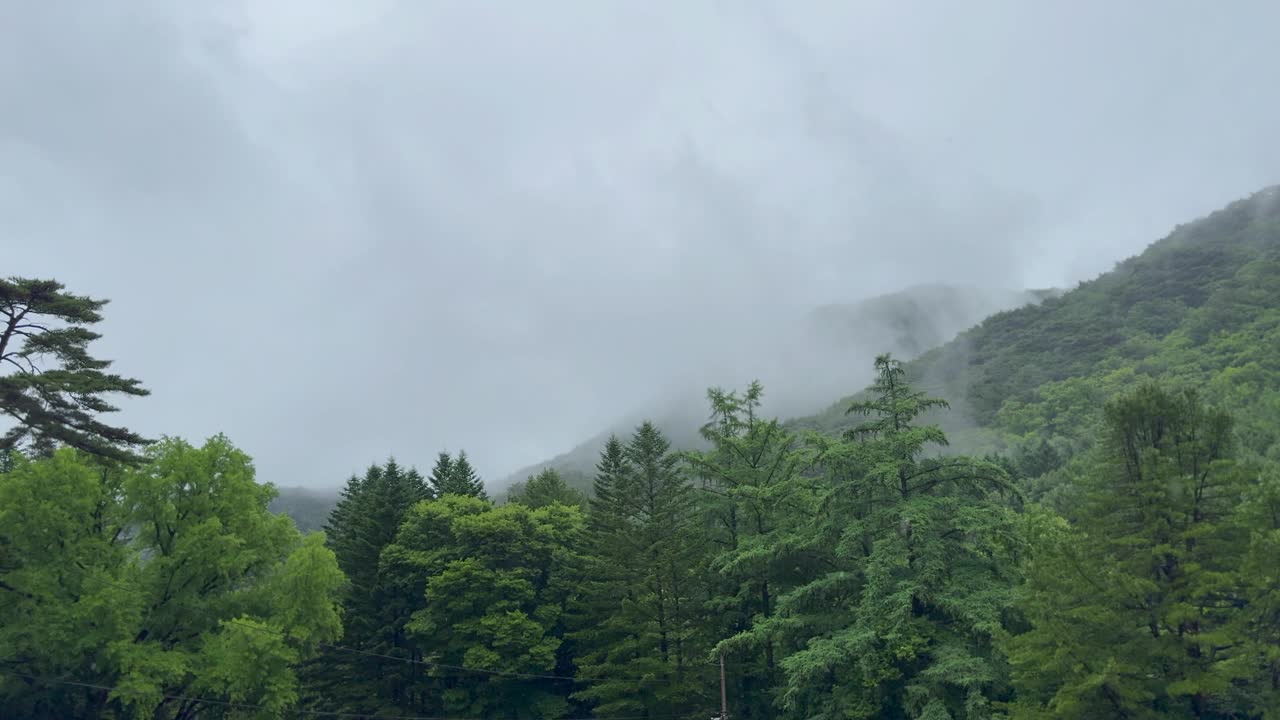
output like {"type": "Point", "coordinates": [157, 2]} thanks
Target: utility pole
{"type": "Point", "coordinates": [724, 702]}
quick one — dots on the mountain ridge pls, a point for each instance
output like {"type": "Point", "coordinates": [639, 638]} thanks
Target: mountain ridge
{"type": "Point", "coordinates": [1195, 307]}
{"type": "Point", "coordinates": [1162, 313]}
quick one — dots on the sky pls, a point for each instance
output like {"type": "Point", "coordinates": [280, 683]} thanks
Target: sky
{"type": "Point", "coordinates": [346, 230]}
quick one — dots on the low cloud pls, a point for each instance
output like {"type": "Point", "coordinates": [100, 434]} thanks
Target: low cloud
{"type": "Point", "coordinates": [347, 231]}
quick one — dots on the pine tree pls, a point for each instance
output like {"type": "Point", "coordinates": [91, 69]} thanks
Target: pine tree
{"type": "Point", "coordinates": [58, 405]}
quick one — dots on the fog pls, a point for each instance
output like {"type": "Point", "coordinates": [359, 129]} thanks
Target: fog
{"type": "Point", "coordinates": [338, 231]}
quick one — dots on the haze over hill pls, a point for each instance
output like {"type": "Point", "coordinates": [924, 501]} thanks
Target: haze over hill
{"type": "Point", "coordinates": [803, 362]}
{"type": "Point", "coordinates": [1200, 306]}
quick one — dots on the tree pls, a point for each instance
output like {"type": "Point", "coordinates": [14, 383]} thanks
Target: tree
{"type": "Point", "coordinates": [171, 579]}
{"type": "Point", "coordinates": [441, 474]}
{"type": "Point", "coordinates": [455, 476]}
{"type": "Point", "coordinates": [1137, 610]}
{"type": "Point", "coordinates": [58, 405]}
{"type": "Point", "coordinates": [495, 583]}
{"type": "Point", "coordinates": [375, 610]}
{"type": "Point", "coordinates": [755, 501]}
{"type": "Point", "coordinates": [639, 649]}
{"type": "Point", "coordinates": [545, 488]}
{"type": "Point", "coordinates": [1259, 629]}
{"type": "Point", "coordinates": [918, 569]}
{"type": "Point", "coordinates": [609, 491]}
{"type": "Point", "coordinates": [464, 480]}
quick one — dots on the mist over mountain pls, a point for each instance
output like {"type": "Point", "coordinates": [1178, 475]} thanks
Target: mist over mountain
{"type": "Point", "coordinates": [802, 362]}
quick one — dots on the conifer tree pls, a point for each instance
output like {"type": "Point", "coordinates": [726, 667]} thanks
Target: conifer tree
{"type": "Point", "coordinates": [1138, 611]}
{"type": "Point", "coordinates": [364, 522]}
{"type": "Point", "coordinates": [441, 473]}
{"type": "Point", "coordinates": [638, 640]}
{"type": "Point", "coordinates": [464, 480]}
{"type": "Point", "coordinates": [57, 404]}
{"type": "Point", "coordinates": [918, 573]}
{"type": "Point", "coordinates": [455, 476]}
{"type": "Point", "coordinates": [546, 488]}
{"type": "Point", "coordinates": [755, 501]}
{"type": "Point", "coordinates": [609, 490]}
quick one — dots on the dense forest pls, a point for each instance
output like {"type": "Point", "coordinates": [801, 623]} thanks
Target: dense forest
{"type": "Point", "coordinates": [1071, 510]}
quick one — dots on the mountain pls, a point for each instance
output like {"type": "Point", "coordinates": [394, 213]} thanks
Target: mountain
{"type": "Point", "coordinates": [308, 508]}
{"type": "Point", "coordinates": [1023, 369]}
{"type": "Point", "coordinates": [1200, 307]}
{"type": "Point", "coordinates": [826, 353]}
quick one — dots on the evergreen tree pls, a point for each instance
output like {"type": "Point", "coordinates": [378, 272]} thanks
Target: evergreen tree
{"type": "Point", "coordinates": [1259, 628]}
{"type": "Point", "coordinates": [546, 488]}
{"type": "Point", "coordinates": [1137, 611]}
{"type": "Point", "coordinates": [609, 491]}
{"type": "Point", "coordinates": [441, 474]}
{"type": "Point", "coordinates": [464, 480]}
{"type": "Point", "coordinates": [58, 405]}
{"type": "Point", "coordinates": [639, 650]}
{"type": "Point", "coordinates": [455, 476]}
{"type": "Point", "coordinates": [364, 522]}
{"type": "Point", "coordinates": [918, 571]}
{"type": "Point", "coordinates": [755, 501]}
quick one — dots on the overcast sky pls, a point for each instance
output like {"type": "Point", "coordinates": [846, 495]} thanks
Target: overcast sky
{"type": "Point", "coordinates": [338, 230]}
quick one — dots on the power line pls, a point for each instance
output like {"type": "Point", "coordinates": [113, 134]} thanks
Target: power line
{"type": "Point", "coordinates": [301, 711]}
{"type": "Point", "coordinates": [426, 663]}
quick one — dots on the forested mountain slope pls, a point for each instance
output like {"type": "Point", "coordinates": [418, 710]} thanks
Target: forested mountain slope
{"type": "Point", "coordinates": [1122, 559]}
{"type": "Point", "coordinates": [1200, 307]}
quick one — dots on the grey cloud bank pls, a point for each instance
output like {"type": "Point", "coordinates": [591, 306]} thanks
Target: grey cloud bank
{"type": "Point", "coordinates": [337, 231]}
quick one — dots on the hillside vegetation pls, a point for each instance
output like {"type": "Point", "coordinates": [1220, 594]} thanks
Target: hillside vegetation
{"type": "Point", "coordinates": [1069, 511]}
{"type": "Point", "coordinates": [1199, 307]}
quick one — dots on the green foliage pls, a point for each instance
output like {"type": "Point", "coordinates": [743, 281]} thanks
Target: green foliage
{"type": "Point", "coordinates": [755, 500]}
{"type": "Point", "coordinates": [546, 488]}
{"type": "Point", "coordinates": [58, 405]}
{"type": "Point", "coordinates": [1201, 306]}
{"type": "Point", "coordinates": [496, 582]}
{"type": "Point", "coordinates": [455, 476]}
{"type": "Point", "coordinates": [918, 570]}
{"type": "Point", "coordinates": [1136, 609]}
{"type": "Point", "coordinates": [638, 627]}
{"type": "Point", "coordinates": [363, 523]}
{"type": "Point", "coordinates": [868, 571]}
{"type": "Point", "coordinates": [171, 579]}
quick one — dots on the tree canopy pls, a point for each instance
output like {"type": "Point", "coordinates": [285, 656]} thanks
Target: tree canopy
{"type": "Point", "coordinates": [50, 385]}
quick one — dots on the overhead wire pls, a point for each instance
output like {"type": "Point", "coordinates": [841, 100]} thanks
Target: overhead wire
{"type": "Point", "coordinates": [426, 663]}
{"type": "Point", "coordinates": [301, 711]}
